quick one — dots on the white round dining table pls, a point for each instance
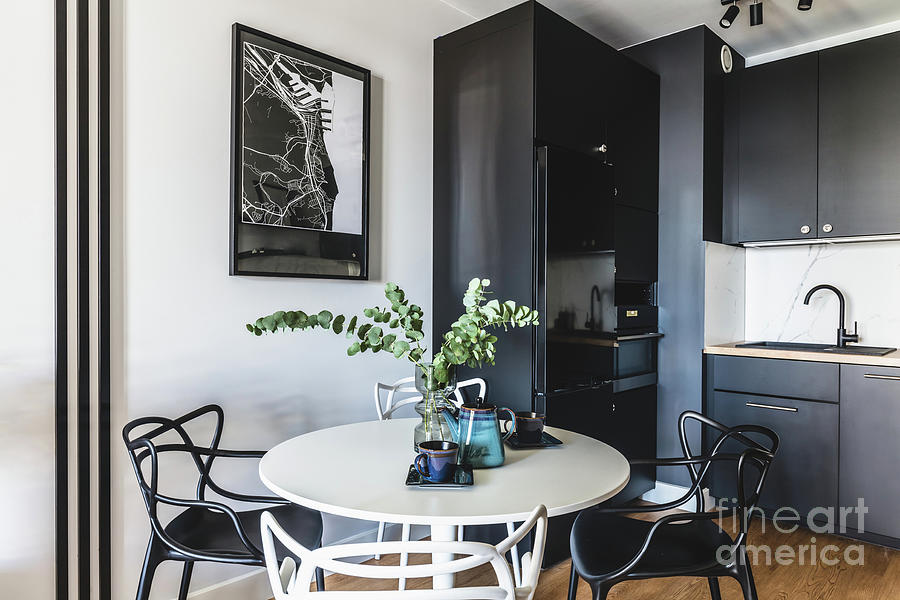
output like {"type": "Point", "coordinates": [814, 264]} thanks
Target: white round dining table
{"type": "Point", "coordinates": [359, 471]}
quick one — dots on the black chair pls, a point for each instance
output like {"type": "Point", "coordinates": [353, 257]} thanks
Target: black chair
{"type": "Point", "coordinates": [608, 548]}
{"type": "Point", "coordinates": [206, 530]}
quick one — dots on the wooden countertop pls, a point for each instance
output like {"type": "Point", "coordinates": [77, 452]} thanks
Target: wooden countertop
{"type": "Point", "coordinates": [888, 360]}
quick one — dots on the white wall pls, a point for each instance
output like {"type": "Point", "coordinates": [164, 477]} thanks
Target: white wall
{"type": "Point", "coordinates": [27, 327]}
{"type": "Point", "coordinates": [867, 273]}
{"type": "Point", "coordinates": [724, 297]}
{"type": "Point", "coordinates": [179, 317]}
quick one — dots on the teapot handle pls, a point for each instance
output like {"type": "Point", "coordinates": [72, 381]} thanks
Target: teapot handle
{"type": "Point", "coordinates": [512, 420]}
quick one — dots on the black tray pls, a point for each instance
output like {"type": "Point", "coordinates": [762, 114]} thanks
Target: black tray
{"type": "Point", "coordinates": [547, 441]}
{"type": "Point", "coordinates": [462, 477]}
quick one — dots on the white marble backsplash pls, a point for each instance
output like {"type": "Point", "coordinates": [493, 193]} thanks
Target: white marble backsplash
{"type": "Point", "coordinates": [777, 280]}
{"type": "Point", "coordinates": [724, 298]}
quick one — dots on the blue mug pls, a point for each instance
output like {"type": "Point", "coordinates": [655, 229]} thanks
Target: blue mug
{"type": "Point", "coordinates": [436, 461]}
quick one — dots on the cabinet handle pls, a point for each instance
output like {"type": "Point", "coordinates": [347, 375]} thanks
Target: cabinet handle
{"type": "Point", "coordinates": [885, 377]}
{"type": "Point", "coordinates": [804, 230]}
{"type": "Point", "coordinates": [772, 407]}
{"type": "Point", "coordinates": [827, 227]}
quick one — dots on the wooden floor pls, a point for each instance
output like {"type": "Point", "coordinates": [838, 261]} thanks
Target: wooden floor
{"type": "Point", "coordinates": [877, 579]}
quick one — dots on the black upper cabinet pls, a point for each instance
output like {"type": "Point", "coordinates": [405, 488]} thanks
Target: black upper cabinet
{"type": "Point", "coordinates": [634, 135]}
{"type": "Point", "coordinates": [778, 142]}
{"type": "Point", "coordinates": [819, 145]}
{"type": "Point", "coordinates": [572, 78]}
{"type": "Point", "coordinates": [859, 131]}
{"type": "Point", "coordinates": [590, 98]}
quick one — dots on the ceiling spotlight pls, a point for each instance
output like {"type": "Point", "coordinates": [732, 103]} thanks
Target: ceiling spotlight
{"type": "Point", "coordinates": [804, 5]}
{"type": "Point", "coordinates": [756, 13]}
{"type": "Point", "coordinates": [729, 16]}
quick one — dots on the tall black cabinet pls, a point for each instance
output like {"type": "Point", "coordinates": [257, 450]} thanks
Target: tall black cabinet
{"type": "Point", "coordinates": [546, 171]}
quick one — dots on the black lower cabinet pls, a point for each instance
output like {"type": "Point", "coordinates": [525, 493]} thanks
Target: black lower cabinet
{"type": "Point", "coordinates": [870, 448]}
{"type": "Point", "coordinates": [804, 474]}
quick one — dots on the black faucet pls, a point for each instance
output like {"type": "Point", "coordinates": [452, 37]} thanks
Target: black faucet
{"type": "Point", "coordinates": [595, 291]}
{"type": "Point", "coordinates": [842, 336]}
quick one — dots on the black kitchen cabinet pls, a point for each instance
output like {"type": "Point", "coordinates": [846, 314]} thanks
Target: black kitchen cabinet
{"type": "Point", "coordinates": [804, 474]}
{"type": "Point", "coordinates": [859, 138]}
{"type": "Point", "coordinates": [870, 447]}
{"type": "Point", "coordinates": [523, 101]}
{"type": "Point", "coordinates": [817, 146]}
{"type": "Point", "coordinates": [636, 244]}
{"type": "Point", "coordinates": [778, 150]}
{"type": "Point", "coordinates": [633, 133]}
{"type": "Point", "coordinates": [572, 102]}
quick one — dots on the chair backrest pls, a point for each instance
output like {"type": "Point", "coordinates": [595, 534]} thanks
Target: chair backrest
{"type": "Point", "coordinates": [290, 582]}
{"type": "Point", "coordinates": [731, 444]}
{"type": "Point", "coordinates": [141, 446]}
{"type": "Point", "coordinates": [391, 397]}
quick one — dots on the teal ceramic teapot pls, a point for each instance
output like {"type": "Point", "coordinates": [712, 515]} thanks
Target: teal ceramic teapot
{"type": "Point", "coordinates": [477, 431]}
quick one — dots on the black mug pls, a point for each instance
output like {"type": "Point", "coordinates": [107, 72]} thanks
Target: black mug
{"type": "Point", "coordinates": [529, 427]}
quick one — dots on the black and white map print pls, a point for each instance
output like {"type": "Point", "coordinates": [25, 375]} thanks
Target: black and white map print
{"type": "Point", "coordinates": [302, 146]}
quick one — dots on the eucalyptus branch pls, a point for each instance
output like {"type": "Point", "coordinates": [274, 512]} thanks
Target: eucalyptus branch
{"type": "Point", "coordinates": [468, 341]}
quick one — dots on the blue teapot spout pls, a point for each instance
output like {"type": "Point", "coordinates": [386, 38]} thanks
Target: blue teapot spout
{"type": "Point", "coordinates": [452, 423]}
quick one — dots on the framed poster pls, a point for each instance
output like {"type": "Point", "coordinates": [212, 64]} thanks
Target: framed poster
{"type": "Point", "coordinates": [299, 161]}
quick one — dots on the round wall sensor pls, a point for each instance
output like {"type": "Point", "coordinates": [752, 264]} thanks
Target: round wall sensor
{"type": "Point", "coordinates": [727, 62]}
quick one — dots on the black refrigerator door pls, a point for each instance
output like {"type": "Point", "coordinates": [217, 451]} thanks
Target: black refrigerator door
{"type": "Point", "coordinates": [574, 270]}
{"type": "Point", "coordinates": [579, 198]}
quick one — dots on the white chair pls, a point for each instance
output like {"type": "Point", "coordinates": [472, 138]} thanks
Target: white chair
{"type": "Point", "coordinates": [402, 393]}
{"type": "Point", "coordinates": [290, 582]}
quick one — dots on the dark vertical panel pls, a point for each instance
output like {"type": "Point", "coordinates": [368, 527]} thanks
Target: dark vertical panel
{"type": "Point", "coordinates": [679, 61]}
{"type": "Point", "coordinates": [483, 183]}
{"type": "Point", "coordinates": [103, 426]}
{"type": "Point", "coordinates": [731, 156]}
{"type": "Point", "coordinates": [713, 136]}
{"type": "Point", "coordinates": [83, 445]}
{"type": "Point", "coordinates": [62, 318]}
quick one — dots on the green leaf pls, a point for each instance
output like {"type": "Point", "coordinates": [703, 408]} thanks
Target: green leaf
{"type": "Point", "coordinates": [400, 346]}
{"type": "Point", "coordinates": [414, 335]}
{"type": "Point", "coordinates": [268, 323]}
{"type": "Point", "coordinates": [257, 331]}
{"type": "Point", "coordinates": [394, 323]}
{"type": "Point", "coordinates": [351, 326]}
{"type": "Point", "coordinates": [374, 336]}
{"type": "Point", "coordinates": [390, 286]}
{"type": "Point", "coordinates": [353, 349]}
{"type": "Point", "coordinates": [363, 330]}
{"type": "Point", "coordinates": [324, 319]}
{"type": "Point", "coordinates": [338, 325]}
{"type": "Point", "coordinates": [388, 339]}
{"type": "Point", "coordinates": [403, 311]}
{"type": "Point", "coordinates": [369, 312]}
{"type": "Point", "coordinates": [250, 328]}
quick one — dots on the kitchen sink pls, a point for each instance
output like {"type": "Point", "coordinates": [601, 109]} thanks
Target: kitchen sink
{"type": "Point", "coordinates": [830, 348]}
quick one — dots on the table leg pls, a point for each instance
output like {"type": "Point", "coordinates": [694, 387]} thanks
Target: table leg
{"type": "Point", "coordinates": [443, 533]}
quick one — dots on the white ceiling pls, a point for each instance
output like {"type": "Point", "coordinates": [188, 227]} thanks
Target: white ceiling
{"type": "Point", "coordinates": [622, 23]}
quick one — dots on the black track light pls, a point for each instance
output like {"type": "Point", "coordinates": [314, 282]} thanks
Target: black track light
{"type": "Point", "coordinates": [729, 16]}
{"type": "Point", "coordinates": [804, 5]}
{"type": "Point", "coordinates": [756, 14]}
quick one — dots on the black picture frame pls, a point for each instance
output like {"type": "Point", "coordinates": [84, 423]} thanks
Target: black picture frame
{"type": "Point", "coordinates": [293, 251]}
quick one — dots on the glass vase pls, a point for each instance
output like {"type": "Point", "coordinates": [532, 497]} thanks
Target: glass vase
{"type": "Point", "coordinates": [430, 407]}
